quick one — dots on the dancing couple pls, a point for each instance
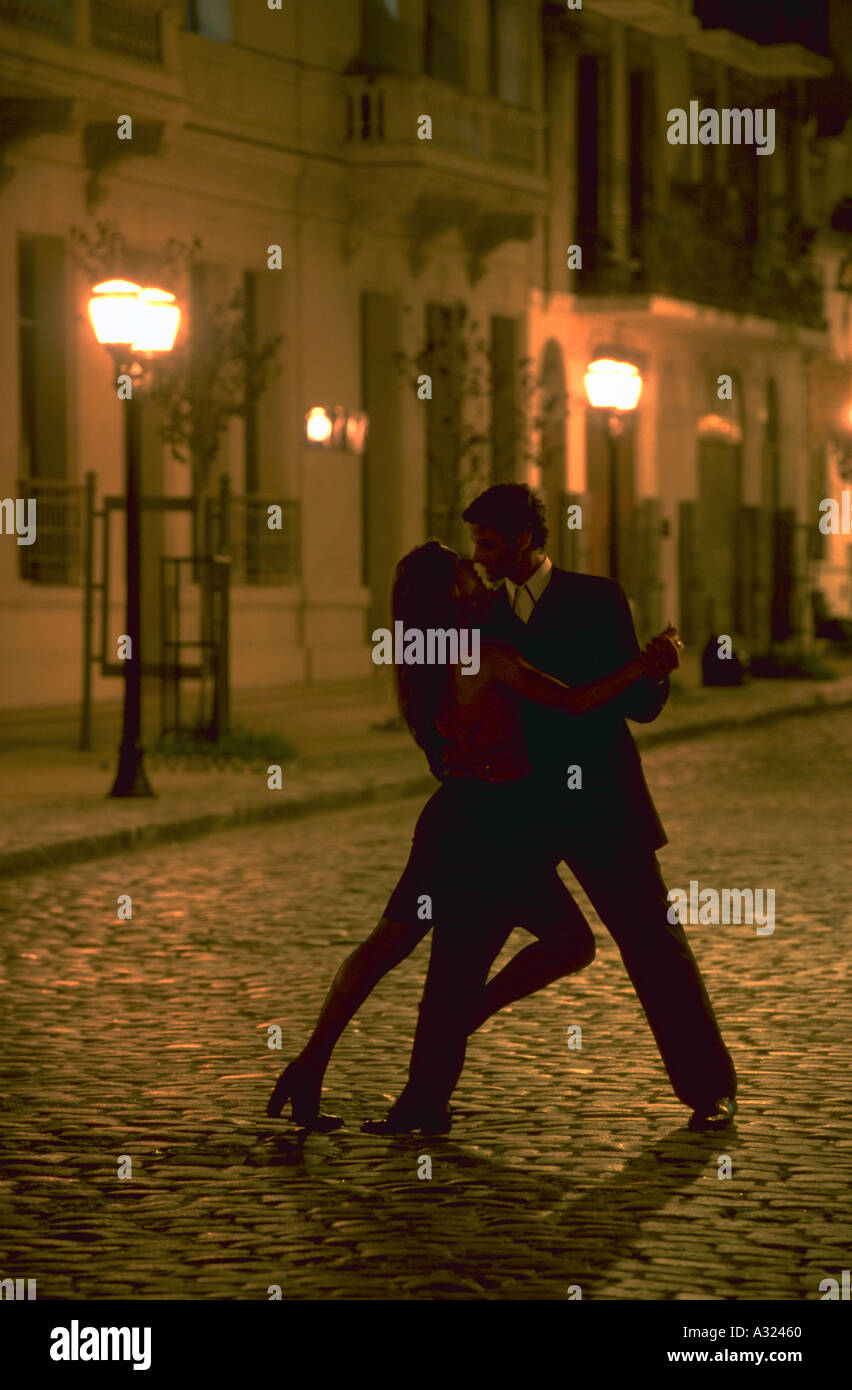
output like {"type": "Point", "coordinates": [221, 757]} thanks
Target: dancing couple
{"type": "Point", "coordinates": [536, 766]}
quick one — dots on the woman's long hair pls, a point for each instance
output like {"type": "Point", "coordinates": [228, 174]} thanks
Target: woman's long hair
{"type": "Point", "coordinates": [422, 597]}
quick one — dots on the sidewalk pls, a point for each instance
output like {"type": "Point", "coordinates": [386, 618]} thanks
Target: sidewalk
{"type": "Point", "coordinates": [54, 798]}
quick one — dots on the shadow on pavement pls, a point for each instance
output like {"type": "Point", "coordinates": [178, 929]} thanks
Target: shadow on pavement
{"type": "Point", "coordinates": [480, 1225]}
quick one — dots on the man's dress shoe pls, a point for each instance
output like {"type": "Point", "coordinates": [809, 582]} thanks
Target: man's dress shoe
{"type": "Point", "coordinates": [439, 1122]}
{"type": "Point", "coordinates": [718, 1115]}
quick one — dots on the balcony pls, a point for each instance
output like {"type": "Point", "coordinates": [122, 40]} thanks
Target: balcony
{"type": "Point", "coordinates": [115, 26]}
{"type": "Point", "coordinates": [701, 251]}
{"type": "Point", "coordinates": [468, 132]}
{"type": "Point", "coordinates": [119, 28]}
{"type": "Point", "coordinates": [481, 173]}
{"type": "Point", "coordinates": [52, 18]}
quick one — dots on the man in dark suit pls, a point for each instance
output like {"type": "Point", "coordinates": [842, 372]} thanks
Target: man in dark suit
{"type": "Point", "coordinates": [597, 812]}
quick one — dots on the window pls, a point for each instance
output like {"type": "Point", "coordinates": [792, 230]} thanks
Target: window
{"type": "Point", "coordinates": [27, 354]}
{"type": "Point", "coordinates": [508, 53]}
{"type": "Point", "coordinates": [42, 406]}
{"type": "Point", "coordinates": [743, 172]}
{"type": "Point", "coordinates": [41, 325]}
{"type": "Point", "coordinates": [641, 146]}
{"type": "Point", "coordinates": [209, 17]}
{"type": "Point", "coordinates": [592, 157]}
{"type": "Point", "coordinates": [702, 85]}
{"type": "Point", "coordinates": [381, 38]}
{"type": "Point", "coordinates": [442, 49]}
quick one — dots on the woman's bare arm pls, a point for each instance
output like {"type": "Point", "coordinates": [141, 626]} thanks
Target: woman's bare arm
{"type": "Point", "coordinates": [512, 670]}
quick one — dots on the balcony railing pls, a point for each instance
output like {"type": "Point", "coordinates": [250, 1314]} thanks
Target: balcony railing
{"type": "Point", "coordinates": [55, 557]}
{"type": "Point", "coordinates": [383, 113]}
{"type": "Point", "coordinates": [115, 25]}
{"type": "Point", "coordinates": [52, 17]}
{"type": "Point", "coordinates": [237, 527]}
{"type": "Point", "coordinates": [121, 29]}
{"type": "Point", "coordinates": [696, 252]}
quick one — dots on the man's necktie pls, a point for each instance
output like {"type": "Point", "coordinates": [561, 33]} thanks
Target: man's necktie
{"type": "Point", "coordinates": [524, 603]}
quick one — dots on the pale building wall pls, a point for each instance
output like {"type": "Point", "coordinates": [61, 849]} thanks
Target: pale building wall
{"type": "Point", "coordinates": [254, 155]}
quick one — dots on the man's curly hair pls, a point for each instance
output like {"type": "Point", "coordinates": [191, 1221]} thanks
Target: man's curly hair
{"type": "Point", "coordinates": [510, 509]}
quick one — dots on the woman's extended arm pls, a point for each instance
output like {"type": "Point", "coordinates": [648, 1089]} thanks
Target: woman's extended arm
{"type": "Point", "coordinates": [512, 670]}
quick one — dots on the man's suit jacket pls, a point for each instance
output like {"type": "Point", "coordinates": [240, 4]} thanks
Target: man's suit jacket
{"type": "Point", "coordinates": [580, 630]}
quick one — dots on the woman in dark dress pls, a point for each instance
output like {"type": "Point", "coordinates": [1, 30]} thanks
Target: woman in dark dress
{"type": "Point", "coordinates": [475, 858]}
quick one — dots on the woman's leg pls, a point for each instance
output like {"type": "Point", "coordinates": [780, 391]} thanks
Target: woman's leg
{"type": "Point", "coordinates": [386, 946]}
{"type": "Point", "coordinates": [398, 932]}
{"type": "Point", "coordinates": [532, 969]}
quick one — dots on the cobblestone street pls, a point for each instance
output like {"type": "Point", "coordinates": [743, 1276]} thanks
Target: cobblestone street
{"type": "Point", "coordinates": [148, 1038]}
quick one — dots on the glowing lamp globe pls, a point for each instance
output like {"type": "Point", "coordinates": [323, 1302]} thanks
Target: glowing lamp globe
{"type": "Point", "coordinates": [158, 317]}
{"type": "Point", "coordinates": [318, 425]}
{"type": "Point", "coordinates": [114, 311]}
{"type": "Point", "coordinates": [613, 385]}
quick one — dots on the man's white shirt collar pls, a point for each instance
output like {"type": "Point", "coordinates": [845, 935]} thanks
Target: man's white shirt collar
{"type": "Point", "coordinates": [537, 582]}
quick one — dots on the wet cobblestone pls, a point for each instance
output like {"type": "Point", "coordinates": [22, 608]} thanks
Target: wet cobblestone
{"type": "Point", "coordinates": [147, 1038]}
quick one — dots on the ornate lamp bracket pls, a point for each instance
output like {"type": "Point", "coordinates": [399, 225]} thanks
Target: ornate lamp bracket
{"type": "Point", "coordinates": [22, 118]}
{"type": "Point", "coordinates": [102, 149]}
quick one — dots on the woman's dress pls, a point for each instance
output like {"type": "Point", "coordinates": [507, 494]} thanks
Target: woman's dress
{"type": "Point", "coordinates": [478, 856]}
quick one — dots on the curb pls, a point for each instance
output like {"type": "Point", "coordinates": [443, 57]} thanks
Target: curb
{"type": "Point", "coordinates": [63, 853]}
{"type": "Point", "coordinates": [819, 705]}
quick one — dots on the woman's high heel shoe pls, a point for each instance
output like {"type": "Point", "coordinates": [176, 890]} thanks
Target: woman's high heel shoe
{"type": "Point", "coordinates": [298, 1085]}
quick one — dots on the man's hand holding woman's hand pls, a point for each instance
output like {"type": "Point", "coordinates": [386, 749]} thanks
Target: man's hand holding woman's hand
{"type": "Point", "coordinates": [661, 655]}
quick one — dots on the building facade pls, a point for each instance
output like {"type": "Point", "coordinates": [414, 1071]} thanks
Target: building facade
{"type": "Point", "coordinates": [430, 170]}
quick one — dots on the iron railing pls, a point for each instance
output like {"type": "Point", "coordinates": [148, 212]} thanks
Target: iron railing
{"type": "Point", "coordinates": [55, 557]}
{"type": "Point", "coordinates": [700, 251]}
{"type": "Point", "coordinates": [259, 553]}
{"type": "Point", "coordinates": [52, 17]}
{"type": "Point", "coordinates": [121, 29]}
{"type": "Point", "coordinates": [115, 25]}
{"type": "Point", "coordinates": [381, 110]}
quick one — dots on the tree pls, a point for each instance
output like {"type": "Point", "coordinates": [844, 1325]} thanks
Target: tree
{"type": "Point", "coordinates": [486, 415]}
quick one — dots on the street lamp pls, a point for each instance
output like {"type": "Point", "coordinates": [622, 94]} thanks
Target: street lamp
{"type": "Point", "coordinates": [613, 386]}
{"type": "Point", "coordinates": [134, 323]}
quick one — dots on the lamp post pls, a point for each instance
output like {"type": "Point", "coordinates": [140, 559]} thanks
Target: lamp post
{"type": "Point", "coordinates": [613, 386]}
{"type": "Point", "coordinates": [134, 323]}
